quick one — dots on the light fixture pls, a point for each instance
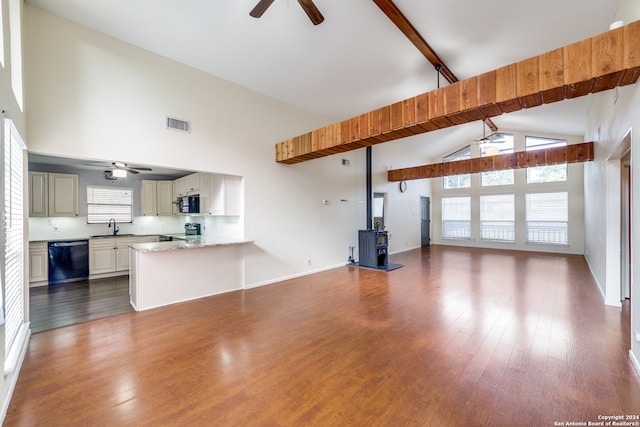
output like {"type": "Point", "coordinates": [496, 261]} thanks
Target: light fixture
{"type": "Point", "coordinates": [119, 173]}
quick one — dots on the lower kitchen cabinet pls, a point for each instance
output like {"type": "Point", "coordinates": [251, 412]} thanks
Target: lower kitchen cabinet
{"type": "Point", "coordinates": [109, 255]}
{"type": "Point", "coordinates": [38, 262]}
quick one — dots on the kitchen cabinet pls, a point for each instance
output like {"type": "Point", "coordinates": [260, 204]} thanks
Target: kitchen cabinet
{"type": "Point", "coordinates": [38, 194]}
{"type": "Point", "coordinates": [122, 252]}
{"type": "Point", "coordinates": [63, 194]}
{"type": "Point", "coordinates": [102, 256]}
{"type": "Point", "coordinates": [157, 198]}
{"type": "Point", "coordinates": [53, 194]}
{"type": "Point", "coordinates": [164, 198]}
{"type": "Point", "coordinates": [38, 262]}
{"type": "Point", "coordinates": [148, 197]}
{"type": "Point", "coordinates": [187, 185]}
{"type": "Point", "coordinates": [221, 195]}
{"type": "Point", "coordinates": [109, 255]}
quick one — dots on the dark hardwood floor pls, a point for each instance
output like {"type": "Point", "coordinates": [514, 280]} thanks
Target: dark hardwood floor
{"type": "Point", "coordinates": [457, 337]}
{"type": "Point", "coordinates": [70, 303]}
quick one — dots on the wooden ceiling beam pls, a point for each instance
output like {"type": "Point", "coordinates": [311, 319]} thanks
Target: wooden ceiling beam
{"type": "Point", "coordinates": [574, 153]}
{"type": "Point", "coordinates": [595, 64]}
{"type": "Point", "coordinates": [389, 8]}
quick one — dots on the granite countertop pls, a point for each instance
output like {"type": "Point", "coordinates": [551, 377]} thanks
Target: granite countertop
{"type": "Point", "coordinates": [190, 242]}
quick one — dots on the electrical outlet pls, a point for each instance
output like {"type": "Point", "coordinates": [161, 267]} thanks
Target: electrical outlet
{"type": "Point", "coordinates": [309, 261]}
{"type": "Point", "coordinates": [637, 336]}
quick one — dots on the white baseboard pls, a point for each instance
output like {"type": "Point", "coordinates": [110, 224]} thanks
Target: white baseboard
{"type": "Point", "coordinates": [604, 297]}
{"type": "Point", "coordinates": [306, 273]}
{"type": "Point", "coordinates": [634, 362]}
{"type": "Point", "coordinates": [292, 276]}
{"type": "Point", "coordinates": [12, 376]}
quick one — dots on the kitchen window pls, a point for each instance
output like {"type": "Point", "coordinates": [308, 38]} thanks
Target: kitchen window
{"type": "Point", "coordinates": [105, 203]}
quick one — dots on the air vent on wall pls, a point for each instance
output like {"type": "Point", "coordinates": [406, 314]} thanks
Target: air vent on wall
{"type": "Point", "coordinates": [177, 124]}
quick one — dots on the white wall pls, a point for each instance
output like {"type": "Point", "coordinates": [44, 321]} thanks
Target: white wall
{"type": "Point", "coordinates": [610, 119]}
{"type": "Point", "coordinates": [402, 210]}
{"type": "Point", "coordinates": [90, 96]}
{"type": "Point", "coordinates": [574, 185]}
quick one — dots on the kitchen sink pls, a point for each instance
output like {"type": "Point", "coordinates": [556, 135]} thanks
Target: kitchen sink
{"type": "Point", "coordinates": [98, 236]}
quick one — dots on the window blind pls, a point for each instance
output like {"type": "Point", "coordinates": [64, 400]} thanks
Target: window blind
{"type": "Point", "coordinates": [497, 217]}
{"type": "Point", "coordinates": [14, 236]}
{"type": "Point", "coordinates": [456, 218]}
{"type": "Point", "coordinates": [105, 203]}
{"type": "Point", "coordinates": [547, 216]}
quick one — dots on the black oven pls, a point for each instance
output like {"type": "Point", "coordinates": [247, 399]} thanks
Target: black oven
{"type": "Point", "coordinates": [189, 204]}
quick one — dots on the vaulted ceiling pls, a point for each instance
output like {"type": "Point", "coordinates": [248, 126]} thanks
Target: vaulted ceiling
{"type": "Point", "coordinates": [356, 60]}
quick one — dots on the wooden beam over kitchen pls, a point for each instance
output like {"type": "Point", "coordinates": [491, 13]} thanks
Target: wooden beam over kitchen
{"type": "Point", "coordinates": [595, 64]}
{"type": "Point", "coordinates": [574, 153]}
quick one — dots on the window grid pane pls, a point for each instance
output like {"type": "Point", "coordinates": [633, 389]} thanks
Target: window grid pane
{"type": "Point", "coordinates": [552, 173]}
{"type": "Point", "coordinates": [105, 203]}
{"type": "Point", "coordinates": [497, 218]}
{"type": "Point", "coordinates": [457, 181]}
{"type": "Point", "coordinates": [456, 218]}
{"type": "Point", "coordinates": [503, 145]}
{"type": "Point", "coordinates": [547, 216]}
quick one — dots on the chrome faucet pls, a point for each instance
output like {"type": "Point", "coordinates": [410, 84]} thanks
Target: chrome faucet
{"type": "Point", "coordinates": [115, 228]}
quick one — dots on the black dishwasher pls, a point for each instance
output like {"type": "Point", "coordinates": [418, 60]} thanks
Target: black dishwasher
{"type": "Point", "coordinates": [68, 261]}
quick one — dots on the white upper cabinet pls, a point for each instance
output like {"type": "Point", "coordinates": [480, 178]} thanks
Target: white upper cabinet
{"type": "Point", "coordinates": [221, 195]}
{"type": "Point", "coordinates": [187, 185]}
{"type": "Point", "coordinates": [157, 198]}
{"type": "Point", "coordinates": [164, 198]}
{"type": "Point", "coordinates": [38, 194]}
{"type": "Point", "coordinates": [63, 194]}
{"type": "Point", "coordinates": [148, 197]}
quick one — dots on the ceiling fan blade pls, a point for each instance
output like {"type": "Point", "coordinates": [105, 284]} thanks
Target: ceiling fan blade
{"type": "Point", "coordinates": [312, 11]}
{"type": "Point", "coordinates": [260, 8]}
{"type": "Point", "coordinates": [131, 171]}
{"type": "Point", "coordinates": [139, 168]}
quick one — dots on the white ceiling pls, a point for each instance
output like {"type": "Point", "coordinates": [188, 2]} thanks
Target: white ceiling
{"type": "Point", "coordinates": [356, 60]}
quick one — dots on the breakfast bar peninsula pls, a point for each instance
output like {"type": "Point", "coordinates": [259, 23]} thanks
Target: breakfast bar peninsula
{"type": "Point", "coordinates": [165, 273]}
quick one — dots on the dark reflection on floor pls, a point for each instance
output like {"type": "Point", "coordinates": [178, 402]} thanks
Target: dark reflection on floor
{"type": "Point", "coordinates": [70, 303]}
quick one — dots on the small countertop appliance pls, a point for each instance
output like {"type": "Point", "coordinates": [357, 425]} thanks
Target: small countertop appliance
{"type": "Point", "coordinates": [192, 229]}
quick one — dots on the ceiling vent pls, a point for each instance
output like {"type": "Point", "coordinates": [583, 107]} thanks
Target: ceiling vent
{"type": "Point", "coordinates": [177, 124]}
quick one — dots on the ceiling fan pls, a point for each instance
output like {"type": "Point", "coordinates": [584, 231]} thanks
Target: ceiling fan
{"type": "Point", "coordinates": [307, 5]}
{"type": "Point", "coordinates": [133, 169]}
{"type": "Point", "coordinates": [494, 138]}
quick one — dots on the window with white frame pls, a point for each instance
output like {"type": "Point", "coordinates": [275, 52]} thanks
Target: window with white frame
{"type": "Point", "coordinates": [547, 216]}
{"type": "Point", "coordinates": [106, 203]}
{"type": "Point", "coordinates": [551, 173]}
{"type": "Point", "coordinates": [456, 218]}
{"type": "Point", "coordinates": [498, 143]}
{"type": "Point", "coordinates": [497, 218]}
{"type": "Point", "coordinates": [13, 271]}
{"type": "Point", "coordinates": [457, 181]}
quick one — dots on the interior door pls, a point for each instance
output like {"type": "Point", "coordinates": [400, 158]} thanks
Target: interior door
{"type": "Point", "coordinates": [425, 221]}
{"type": "Point", "coordinates": [625, 237]}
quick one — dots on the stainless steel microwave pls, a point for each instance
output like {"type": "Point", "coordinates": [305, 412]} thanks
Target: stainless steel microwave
{"type": "Point", "coordinates": [189, 204]}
